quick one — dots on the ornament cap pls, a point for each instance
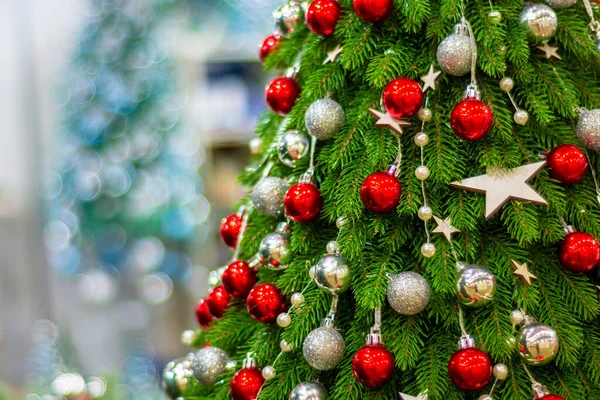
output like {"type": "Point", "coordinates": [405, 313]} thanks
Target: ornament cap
{"type": "Point", "coordinates": [394, 169]}
{"type": "Point", "coordinates": [569, 229]}
{"type": "Point", "coordinates": [460, 265]}
{"type": "Point", "coordinates": [529, 320]}
{"type": "Point", "coordinates": [329, 322]}
{"type": "Point", "coordinates": [254, 263]}
{"type": "Point", "coordinates": [466, 342]}
{"type": "Point", "coordinates": [539, 390]}
{"type": "Point", "coordinates": [306, 177]}
{"type": "Point", "coordinates": [249, 362]}
{"type": "Point", "coordinates": [472, 92]}
{"type": "Point", "coordinates": [460, 29]}
{"type": "Point", "coordinates": [375, 338]}
{"type": "Point", "coordinates": [283, 227]}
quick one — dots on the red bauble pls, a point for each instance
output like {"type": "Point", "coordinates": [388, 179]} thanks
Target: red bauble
{"type": "Point", "coordinates": [380, 192]}
{"type": "Point", "coordinates": [246, 384]}
{"type": "Point", "coordinates": [238, 279]}
{"type": "Point", "coordinates": [403, 98]}
{"type": "Point", "coordinates": [218, 301]}
{"type": "Point", "coordinates": [303, 202]}
{"type": "Point", "coordinates": [470, 369]}
{"type": "Point", "coordinates": [265, 302]}
{"type": "Point", "coordinates": [373, 11]}
{"type": "Point", "coordinates": [471, 119]}
{"type": "Point", "coordinates": [230, 229]}
{"type": "Point", "coordinates": [268, 46]}
{"type": "Point", "coordinates": [281, 95]}
{"type": "Point", "coordinates": [203, 315]}
{"type": "Point", "coordinates": [579, 253]}
{"type": "Point", "coordinates": [322, 16]}
{"type": "Point", "coordinates": [373, 366]}
{"type": "Point", "coordinates": [567, 164]}
{"type": "Point", "coordinates": [551, 397]}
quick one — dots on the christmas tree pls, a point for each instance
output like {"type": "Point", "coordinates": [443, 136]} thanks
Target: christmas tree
{"type": "Point", "coordinates": [423, 222]}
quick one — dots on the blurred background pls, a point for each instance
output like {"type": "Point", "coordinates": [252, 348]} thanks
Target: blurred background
{"type": "Point", "coordinates": [124, 124]}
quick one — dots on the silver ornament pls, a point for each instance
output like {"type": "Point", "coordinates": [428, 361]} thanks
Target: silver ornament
{"type": "Point", "coordinates": [588, 129]}
{"type": "Point", "coordinates": [560, 4]}
{"type": "Point", "coordinates": [324, 348]}
{"type": "Point", "coordinates": [267, 196]}
{"type": "Point", "coordinates": [476, 286]}
{"type": "Point", "coordinates": [455, 51]}
{"type": "Point", "coordinates": [408, 293]}
{"type": "Point", "coordinates": [292, 146]}
{"type": "Point", "coordinates": [332, 273]}
{"type": "Point", "coordinates": [309, 391]}
{"type": "Point", "coordinates": [539, 22]}
{"type": "Point", "coordinates": [537, 343]}
{"type": "Point", "coordinates": [324, 119]}
{"type": "Point", "coordinates": [286, 17]}
{"type": "Point", "coordinates": [208, 363]}
{"type": "Point", "coordinates": [176, 376]}
{"type": "Point", "coordinates": [274, 251]}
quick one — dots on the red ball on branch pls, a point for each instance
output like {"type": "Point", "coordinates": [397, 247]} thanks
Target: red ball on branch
{"type": "Point", "coordinates": [471, 119]}
{"type": "Point", "coordinates": [470, 369]}
{"type": "Point", "coordinates": [268, 45]}
{"type": "Point", "coordinates": [230, 229]}
{"type": "Point", "coordinates": [322, 16]}
{"type": "Point", "coordinates": [380, 192]}
{"type": "Point", "coordinates": [303, 202]}
{"type": "Point", "coordinates": [567, 163]}
{"type": "Point", "coordinates": [238, 279]}
{"type": "Point", "coordinates": [281, 95]}
{"type": "Point", "coordinates": [373, 11]}
{"type": "Point", "coordinates": [373, 366]}
{"type": "Point", "coordinates": [551, 397]}
{"type": "Point", "coordinates": [203, 314]}
{"type": "Point", "coordinates": [579, 252]}
{"type": "Point", "coordinates": [246, 384]}
{"type": "Point", "coordinates": [265, 302]}
{"type": "Point", "coordinates": [218, 300]}
{"type": "Point", "coordinates": [403, 98]}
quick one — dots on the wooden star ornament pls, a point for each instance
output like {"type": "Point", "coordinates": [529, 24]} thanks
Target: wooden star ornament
{"type": "Point", "coordinates": [404, 396]}
{"type": "Point", "coordinates": [333, 54]}
{"type": "Point", "coordinates": [500, 186]}
{"type": "Point", "coordinates": [385, 120]}
{"type": "Point", "coordinates": [430, 78]}
{"type": "Point", "coordinates": [522, 271]}
{"type": "Point", "coordinates": [550, 51]}
{"type": "Point", "coordinates": [444, 227]}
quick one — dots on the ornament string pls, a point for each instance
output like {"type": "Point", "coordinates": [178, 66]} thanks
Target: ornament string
{"type": "Point", "coordinates": [427, 234]}
{"type": "Point", "coordinates": [311, 164]}
{"type": "Point", "coordinates": [377, 324]}
{"type": "Point", "coordinates": [461, 322]}
{"type": "Point", "coordinates": [333, 309]}
{"type": "Point", "coordinates": [245, 211]}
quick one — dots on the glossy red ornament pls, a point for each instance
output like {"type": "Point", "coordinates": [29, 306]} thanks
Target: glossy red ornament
{"type": "Point", "coordinates": [403, 98]}
{"type": "Point", "coordinates": [281, 95]}
{"type": "Point", "coordinates": [230, 229]}
{"type": "Point", "coordinates": [246, 384]}
{"type": "Point", "coordinates": [265, 302]}
{"type": "Point", "coordinates": [579, 253]}
{"type": "Point", "coordinates": [551, 397]}
{"type": "Point", "coordinates": [268, 46]}
{"type": "Point", "coordinates": [303, 202]}
{"type": "Point", "coordinates": [470, 369]}
{"type": "Point", "coordinates": [203, 314]}
{"type": "Point", "coordinates": [322, 16]}
{"type": "Point", "coordinates": [373, 11]}
{"type": "Point", "coordinates": [471, 119]}
{"type": "Point", "coordinates": [373, 366]}
{"type": "Point", "coordinates": [380, 192]}
{"type": "Point", "coordinates": [567, 163]}
{"type": "Point", "coordinates": [238, 279]}
{"type": "Point", "coordinates": [218, 300]}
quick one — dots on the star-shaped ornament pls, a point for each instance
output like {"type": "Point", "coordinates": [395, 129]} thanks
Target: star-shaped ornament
{"type": "Point", "coordinates": [430, 78]}
{"type": "Point", "coordinates": [333, 54]}
{"type": "Point", "coordinates": [385, 120]}
{"type": "Point", "coordinates": [445, 228]}
{"type": "Point", "coordinates": [500, 186]}
{"type": "Point", "coordinates": [409, 397]}
{"type": "Point", "coordinates": [549, 50]}
{"type": "Point", "coordinates": [522, 271]}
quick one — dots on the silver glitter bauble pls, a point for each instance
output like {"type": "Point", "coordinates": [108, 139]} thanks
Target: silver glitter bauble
{"type": "Point", "coordinates": [332, 273]}
{"type": "Point", "coordinates": [539, 22]}
{"type": "Point", "coordinates": [588, 129]}
{"type": "Point", "coordinates": [274, 251]}
{"type": "Point", "coordinates": [324, 119]}
{"type": "Point", "coordinates": [176, 376]}
{"type": "Point", "coordinates": [292, 146]}
{"type": "Point", "coordinates": [324, 348]}
{"type": "Point", "coordinates": [476, 286]}
{"type": "Point", "coordinates": [267, 196]}
{"type": "Point", "coordinates": [286, 17]}
{"type": "Point", "coordinates": [208, 363]}
{"type": "Point", "coordinates": [408, 293]}
{"type": "Point", "coordinates": [455, 51]}
{"type": "Point", "coordinates": [309, 391]}
{"type": "Point", "coordinates": [537, 343]}
{"type": "Point", "coordinates": [561, 3]}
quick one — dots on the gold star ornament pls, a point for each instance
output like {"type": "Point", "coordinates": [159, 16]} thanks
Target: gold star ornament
{"type": "Point", "coordinates": [501, 185]}
{"type": "Point", "coordinates": [549, 50]}
{"type": "Point", "coordinates": [333, 54]}
{"type": "Point", "coordinates": [408, 397]}
{"type": "Point", "coordinates": [385, 120]}
{"type": "Point", "coordinates": [430, 78]}
{"type": "Point", "coordinates": [444, 227]}
{"type": "Point", "coordinates": [522, 271]}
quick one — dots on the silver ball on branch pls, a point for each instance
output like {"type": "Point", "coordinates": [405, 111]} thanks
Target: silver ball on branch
{"type": "Point", "coordinates": [324, 348]}
{"type": "Point", "coordinates": [332, 273]}
{"type": "Point", "coordinates": [537, 343]}
{"type": "Point", "coordinates": [268, 194]}
{"type": "Point", "coordinates": [500, 371]}
{"type": "Point", "coordinates": [286, 17]}
{"type": "Point", "coordinates": [176, 377]}
{"type": "Point", "coordinates": [507, 84]}
{"type": "Point", "coordinates": [539, 22]}
{"type": "Point", "coordinates": [476, 286]}
{"type": "Point", "coordinates": [421, 139]}
{"type": "Point", "coordinates": [560, 4]}
{"type": "Point", "coordinates": [292, 146]}
{"type": "Point", "coordinates": [521, 116]}
{"type": "Point", "coordinates": [428, 250]}
{"type": "Point", "coordinates": [208, 364]}
{"type": "Point", "coordinates": [588, 129]}
{"type": "Point", "coordinates": [324, 119]}
{"type": "Point", "coordinates": [274, 251]}
{"type": "Point", "coordinates": [425, 213]}
{"type": "Point", "coordinates": [408, 293]}
{"type": "Point", "coordinates": [309, 391]}
{"type": "Point", "coordinates": [455, 52]}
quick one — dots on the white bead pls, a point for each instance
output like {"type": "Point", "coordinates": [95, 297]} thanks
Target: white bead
{"type": "Point", "coordinates": [516, 317]}
{"type": "Point", "coordinates": [297, 299]}
{"type": "Point", "coordinates": [521, 117]}
{"type": "Point", "coordinates": [422, 172]}
{"type": "Point", "coordinates": [256, 145]}
{"type": "Point", "coordinates": [285, 346]}
{"type": "Point", "coordinates": [486, 397]}
{"type": "Point", "coordinates": [312, 271]}
{"type": "Point", "coordinates": [501, 371]}
{"type": "Point", "coordinates": [284, 320]}
{"type": "Point", "coordinates": [495, 16]}
{"type": "Point", "coordinates": [188, 337]}
{"type": "Point", "coordinates": [421, 139]}
{"type": "Point", "coordinates": [333, 247]}
{"type": "Point", "coordinates": [340, 221]}
{"type": "Point", "coordinates": [268, 372]}
{"type": "Point", "coordinates": [425, 114]}
{"type": "Point", "coordinates": [506, 84]}
{"type": "Point", "coordinates": [428, 250]}
{"type": "Point", "coordinates": [425, 213]}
